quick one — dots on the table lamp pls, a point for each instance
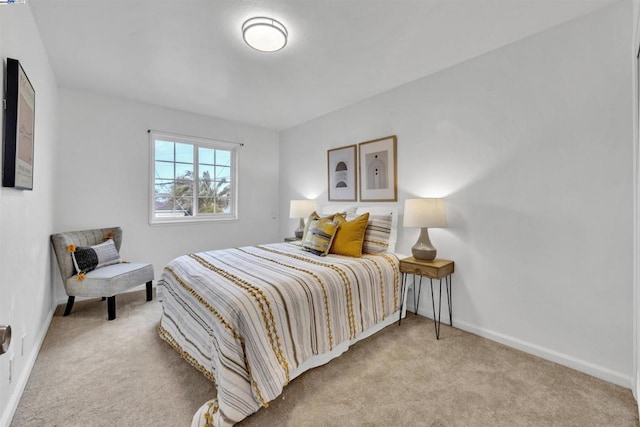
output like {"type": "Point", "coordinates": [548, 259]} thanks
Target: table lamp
{"type": "Point", "coordinates": [301, 209]}
{"type": "Point", "coordinates": [424, 213]}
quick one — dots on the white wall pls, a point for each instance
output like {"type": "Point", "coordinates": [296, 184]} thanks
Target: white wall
{"type": "Point", "coordinates": [103, 175]}
{"type": "Point", "coordinates": [531, 145]}
{"type": "Point", "coordinates": [635, 45]}
{"type": "Point", "coordinates": [26, 216]}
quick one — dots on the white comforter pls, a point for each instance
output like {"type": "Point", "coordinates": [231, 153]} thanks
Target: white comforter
{"type": "Point", "coordinates": [248, 317]}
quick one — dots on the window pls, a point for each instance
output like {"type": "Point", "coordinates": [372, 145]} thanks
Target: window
{"type": "Point", "coordinates": [192, 179]}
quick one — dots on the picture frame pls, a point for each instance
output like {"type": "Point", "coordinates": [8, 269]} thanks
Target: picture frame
{"type": "Point", "coordinates": [342, 178]}
{"type": "Point", "coordinates": [378, 170]}
{"type": "Point", "coordinates": [19, 127]}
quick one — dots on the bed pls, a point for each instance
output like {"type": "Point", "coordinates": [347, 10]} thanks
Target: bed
{"type": "Point", "coordinates": [251, 319]}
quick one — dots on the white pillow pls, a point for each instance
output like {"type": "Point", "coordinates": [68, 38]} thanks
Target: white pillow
{"type": "Point", "coordinates": [331, 209]}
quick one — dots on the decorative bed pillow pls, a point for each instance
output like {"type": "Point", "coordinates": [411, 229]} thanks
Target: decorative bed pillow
{"type": "Point", "coordinates": [350, 235]}
{"type": "Point", "coordinates": [384, 210]}
{"type": "Point", "coordinates": [314, 216]}
{"type": "Point", "coordinates": [319, 235]}
{"type": "Point", "coordinates": [377, 235]}
{"type": "Point", "coordinates": [87, 258]}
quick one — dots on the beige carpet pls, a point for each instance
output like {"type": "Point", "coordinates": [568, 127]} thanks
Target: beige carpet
{"type": "Point", "coordinates": [91, 372]}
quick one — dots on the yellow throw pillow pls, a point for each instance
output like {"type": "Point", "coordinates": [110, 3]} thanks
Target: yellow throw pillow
{"type": "Point", "coordinates": [349, 236]}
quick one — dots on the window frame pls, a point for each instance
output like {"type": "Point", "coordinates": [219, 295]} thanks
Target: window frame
{"type": "Point", "coordinates": [196, 142]}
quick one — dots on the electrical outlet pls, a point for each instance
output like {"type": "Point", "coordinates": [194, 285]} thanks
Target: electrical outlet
{"type": "Point", "coordinates": [10, 367]}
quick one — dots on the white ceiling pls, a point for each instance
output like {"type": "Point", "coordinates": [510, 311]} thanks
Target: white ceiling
{"type": "Point", "coordinates": [189, 54]}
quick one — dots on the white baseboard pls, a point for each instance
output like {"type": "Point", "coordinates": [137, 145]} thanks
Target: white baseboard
{"type": "Point", "coordinates": [545, 353]}
{"type": "Point", "coordinates": [548, 354]}
{"type": "Point", "coordinates": [12, 405]}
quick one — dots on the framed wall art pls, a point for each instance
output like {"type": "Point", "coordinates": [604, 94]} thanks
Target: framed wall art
{"type": "Point", "coordinates": [342, 177]}
{"type": "Point", "coordinates": [19, 125]}
{"type": "Point", "coordinates": [378, 170]}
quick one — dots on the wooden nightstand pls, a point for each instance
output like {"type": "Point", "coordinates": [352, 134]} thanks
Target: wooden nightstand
{"type": "Point", "coordinates": [436, 269]}
{"type": "Point", "coordinates": [292, 239]}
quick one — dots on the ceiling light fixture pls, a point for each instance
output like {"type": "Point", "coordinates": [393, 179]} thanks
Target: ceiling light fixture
{"type": "Point", "coordinates": [264, 34]}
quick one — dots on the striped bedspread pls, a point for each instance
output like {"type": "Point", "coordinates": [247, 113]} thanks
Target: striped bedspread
{"type": "Point", "coordinates": [247, 317]}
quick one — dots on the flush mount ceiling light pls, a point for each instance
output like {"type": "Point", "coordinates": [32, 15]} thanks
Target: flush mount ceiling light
{"type": "Point", "coordinates": [264, 34]}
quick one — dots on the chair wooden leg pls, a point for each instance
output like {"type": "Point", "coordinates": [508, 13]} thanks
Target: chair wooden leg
{"type": "Point", "coordinates": [111, 307]}
{"type": "Point", "coordinates": [67, 311]}
{"type": "Point", "coordinates": [149, 291]}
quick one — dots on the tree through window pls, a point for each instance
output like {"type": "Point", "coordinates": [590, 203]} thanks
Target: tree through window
{"type": "Point", "coordinates": [193, 179]}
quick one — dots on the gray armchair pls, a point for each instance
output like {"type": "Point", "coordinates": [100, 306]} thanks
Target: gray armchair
{"type": "Point", "coordinates": [105, 282]}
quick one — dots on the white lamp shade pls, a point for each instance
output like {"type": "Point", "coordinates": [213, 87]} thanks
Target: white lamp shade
{"type": "Point", "coordinates": [301, 208]}
{"type": "Point", "coordinates": [264, 34]}
{"type": "Point", "coordinates": [428, 213]}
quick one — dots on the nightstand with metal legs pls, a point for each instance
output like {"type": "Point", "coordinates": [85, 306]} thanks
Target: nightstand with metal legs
{"type": "Point", "coordinates": [437, 269]}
